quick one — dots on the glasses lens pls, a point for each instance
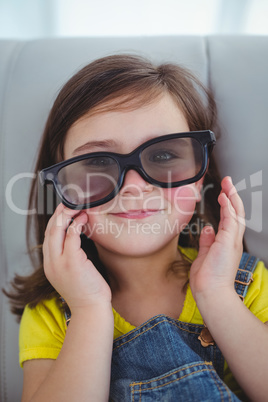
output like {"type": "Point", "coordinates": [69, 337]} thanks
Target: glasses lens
{"type": "Point", "coordinates": [173, 160]}
{"type": "Point", "coordinates": [88, 180]}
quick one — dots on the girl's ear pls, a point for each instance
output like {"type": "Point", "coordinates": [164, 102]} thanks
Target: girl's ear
{"type": "Point", "coordinates": [198, 189]}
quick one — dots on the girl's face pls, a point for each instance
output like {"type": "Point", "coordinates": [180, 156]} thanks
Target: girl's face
{"type": "Point", "coordinates": [142, 218]}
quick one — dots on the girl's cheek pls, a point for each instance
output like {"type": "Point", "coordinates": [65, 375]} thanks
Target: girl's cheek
{"type": "Point", "coordinates": [183, 199]}
{"type": "Point", "coordinates": [96, 217]}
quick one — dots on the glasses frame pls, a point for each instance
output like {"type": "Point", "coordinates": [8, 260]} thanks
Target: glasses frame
{"type": "Point", "coordinates": [131, 161]}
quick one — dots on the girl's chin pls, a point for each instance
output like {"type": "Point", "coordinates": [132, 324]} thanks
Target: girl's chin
{"type": "Point", "coordinates": [134, 245]}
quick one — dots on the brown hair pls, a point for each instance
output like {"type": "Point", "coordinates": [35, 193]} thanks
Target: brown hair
{"type": "Point", "coordinates": [113, 82]}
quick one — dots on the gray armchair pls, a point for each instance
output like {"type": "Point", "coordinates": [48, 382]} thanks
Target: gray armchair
{"type": "Point", "coordinates": [31, 73]}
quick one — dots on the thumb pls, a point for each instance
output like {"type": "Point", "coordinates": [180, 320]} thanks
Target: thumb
{"type": "Point", "coordinates": [207, 238]}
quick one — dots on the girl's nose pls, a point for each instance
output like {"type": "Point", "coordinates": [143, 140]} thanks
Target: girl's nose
{"type": "Point", "coordinates": [134, 184]}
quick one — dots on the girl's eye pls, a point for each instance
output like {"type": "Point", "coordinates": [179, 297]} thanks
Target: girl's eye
{"type": "Point", "coordinates": [99, 162]}
{"type": "Point", "coordinates": [163, 156]}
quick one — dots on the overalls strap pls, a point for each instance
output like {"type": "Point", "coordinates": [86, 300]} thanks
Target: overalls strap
{"type": "Point", "coordinates": [244, 275]}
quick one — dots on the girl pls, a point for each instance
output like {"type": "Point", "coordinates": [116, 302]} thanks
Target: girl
{"type": "Point", "coordinates": [147, 320]}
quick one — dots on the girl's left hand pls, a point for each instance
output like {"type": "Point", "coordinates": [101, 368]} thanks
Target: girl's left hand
{"type": "Point", "coordinates": [214, 270]}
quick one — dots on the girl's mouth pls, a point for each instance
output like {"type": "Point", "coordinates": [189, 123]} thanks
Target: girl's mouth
{"type": "Point", "coordinates": [137, 213]}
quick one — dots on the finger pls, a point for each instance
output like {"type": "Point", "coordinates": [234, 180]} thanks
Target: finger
{"type": "Point", "coordinates": [228, 217]}
{"type": "Point", "coordinates": [221, 211]}
{"type": "Point", "coordinates": [207, 238]}
{"type": "Point", "coordinates": [51, 222]}
{"type": "Point", "coordinates": [229, 221]}
{"type": "Point", "coordinates": [233, 196]}
{"type": "Point", "coordinates": [56, 230]}
{"type": "Point", "coordinates": [60, 214]}
{"type": "Point", "coordinates": [72, 239]}
{"type": "Point", "coordinates": [235, 205]}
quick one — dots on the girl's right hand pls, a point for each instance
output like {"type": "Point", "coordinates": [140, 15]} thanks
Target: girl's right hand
{"type": "Point", "coordinates": [66, 265]}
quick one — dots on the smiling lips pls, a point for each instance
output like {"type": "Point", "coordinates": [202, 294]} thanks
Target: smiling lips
{"type": "Point", "coordinates": [137, 214]}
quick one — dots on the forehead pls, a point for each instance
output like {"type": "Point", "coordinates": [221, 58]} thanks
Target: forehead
{"type": "Point", "coordinates": [123, 129]}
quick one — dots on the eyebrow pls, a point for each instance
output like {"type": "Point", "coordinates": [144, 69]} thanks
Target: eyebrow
{"type": "Point", "coordinates": [87, 147]}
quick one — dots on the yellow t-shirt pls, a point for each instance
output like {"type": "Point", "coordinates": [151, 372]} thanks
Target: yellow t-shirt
{"type": "Point", "coordinates": [42, 329]}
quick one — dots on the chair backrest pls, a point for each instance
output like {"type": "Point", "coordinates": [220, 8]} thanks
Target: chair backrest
{"type": "Point", "coordinates": [31, 73]}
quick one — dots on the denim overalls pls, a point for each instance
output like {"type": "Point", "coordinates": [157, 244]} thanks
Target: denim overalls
{"type": "Point", "coordinates": [165, 360]}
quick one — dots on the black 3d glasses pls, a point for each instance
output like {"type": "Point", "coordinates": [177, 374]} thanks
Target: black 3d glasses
{"type": "Point", "coordinates": [167, 161]}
